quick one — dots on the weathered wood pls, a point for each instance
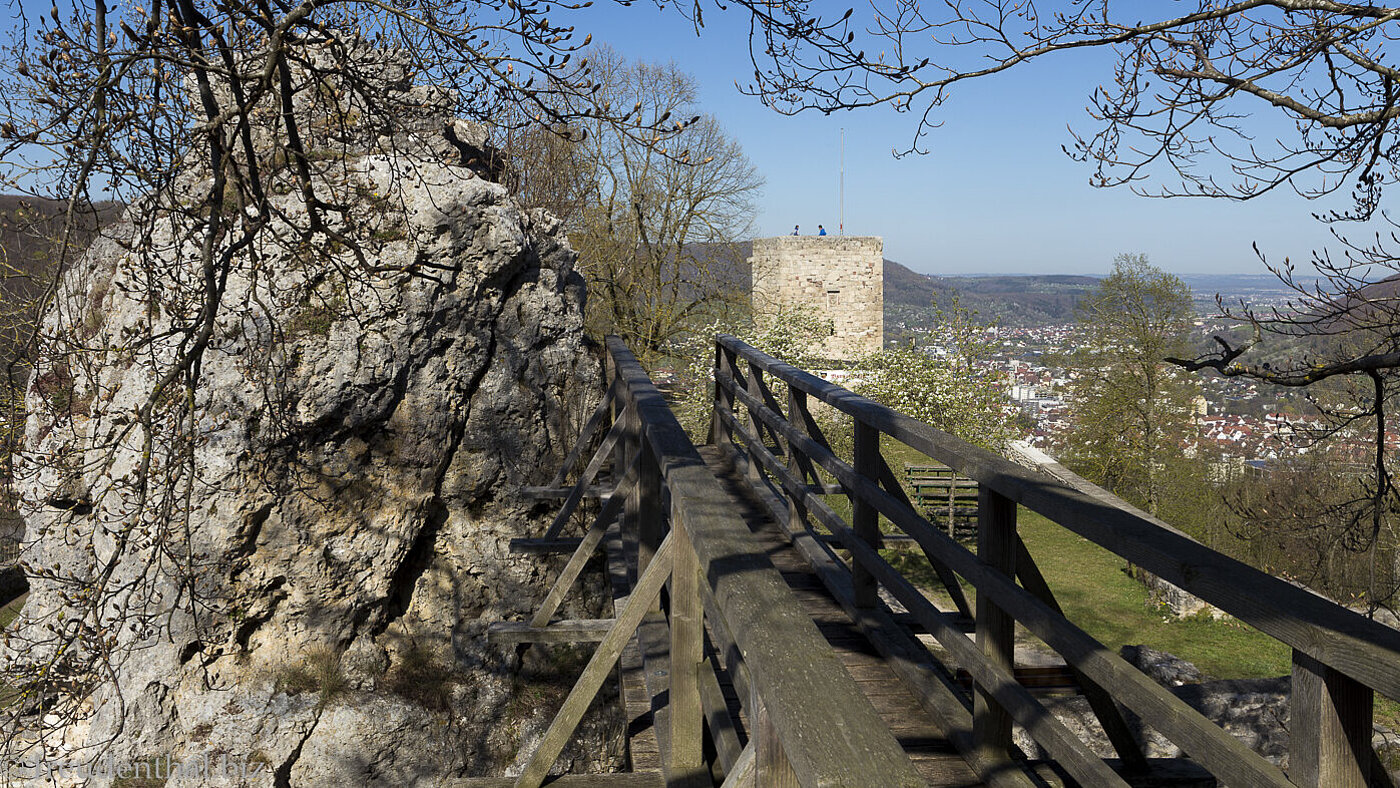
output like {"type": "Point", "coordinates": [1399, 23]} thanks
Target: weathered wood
{"type": "Point", "coordinates": [586, 480]}
{"type": "Point", "coordinates": [600, 414]}
{"type": "Point", "coordinates": [797, 463]}
{"type": "Point", "coordinates": [906, 658]}
{"type": "Point", "coordinates": [865, 521]}
{"type": "Point", "coordinates": [1348, 642]}
{"type": "Point", "coordinates": [687, 767]}
{"type": "Point", "coordinates": [723, 731]}
{"type": "Point", "coordinates": [743, 774]}
{"type": "Point", "coordinates": [596, 492]}
{"type": "Point", "coordinates": [771, 765]}
{"type": "Point", "coordinates": [755, 426]}
{"type": "Point", "coordinates": [566, 721]}
{"type": "Point", "coordinates": [583, 630]}
{"type": "Point", "coordinates": [651, 514]}
{"type": "Point", "coordinates": [1203, 740]}
{"type": "Point", "coordinates": [565, 544]}
{"type": "Point", "coordinates": [996, 631]}
{"type": "Point", "coordinates": [792, 668]}
{"type": "Point", "coordinates": [587, 546]}
{"type": "Point", "coordinates": [758, 382]}
{"type": "Point", "coordinates": [1329, 727]}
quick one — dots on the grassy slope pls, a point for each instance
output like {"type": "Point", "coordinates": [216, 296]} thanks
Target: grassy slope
{"type": "Point", "coordinates": [1098, 595]}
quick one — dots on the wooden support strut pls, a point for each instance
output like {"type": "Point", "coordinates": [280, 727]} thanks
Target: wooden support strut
{"type": "Point", "coordinates": [586, 435]}
{"type": "Point", "coordinates": [1217, 750]}
{"type": "Point", "coordinates": [596, 671]}
{"type": "Point", "coordinates": [589, 474]}
{"type": "Point", "coordinates": [591, 539]}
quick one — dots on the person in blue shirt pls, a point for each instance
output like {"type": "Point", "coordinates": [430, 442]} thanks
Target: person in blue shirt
{"type": "Point", "coordinates": [794, 229]}
{"type": "Point", "coordinates": [821, 230]}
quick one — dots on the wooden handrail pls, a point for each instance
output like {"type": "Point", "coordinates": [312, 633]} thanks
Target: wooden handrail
{"type": "Point", "coordinates": [1329, 633]}
{"type": "Point", "coordinates": [828, 730]}
{"type": "Point", "coordinates": [1339, 656]}
{"type": "Point", "coordinates": [1207, 743]}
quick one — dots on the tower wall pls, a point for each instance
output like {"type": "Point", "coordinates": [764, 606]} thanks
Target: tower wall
{"type": "Point", "coordinates": [840, 277]}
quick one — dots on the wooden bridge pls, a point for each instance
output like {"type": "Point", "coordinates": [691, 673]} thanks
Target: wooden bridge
{"type": "Point", "coordinates": [760, 638]}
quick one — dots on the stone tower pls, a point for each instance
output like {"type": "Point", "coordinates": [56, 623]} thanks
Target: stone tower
{"type": "Point", "coordinates": [841, 277]}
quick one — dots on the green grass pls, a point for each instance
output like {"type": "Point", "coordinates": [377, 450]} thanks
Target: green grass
{"type": "Point", "coordinates": [1099, 597]}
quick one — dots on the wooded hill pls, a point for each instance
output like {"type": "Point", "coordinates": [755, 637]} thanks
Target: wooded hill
{"type": "Point", "coordinates": [1013, 301]}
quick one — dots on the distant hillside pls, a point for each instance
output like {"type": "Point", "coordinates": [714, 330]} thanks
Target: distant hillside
{"type": "Point", "coordinates": [1008, 300]}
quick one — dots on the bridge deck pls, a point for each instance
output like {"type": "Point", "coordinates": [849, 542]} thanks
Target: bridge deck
{"type": "Point", "coordinates": [921, 736]}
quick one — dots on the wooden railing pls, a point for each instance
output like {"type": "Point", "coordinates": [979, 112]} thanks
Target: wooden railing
{"type": "Point", "coordinates": [810, 724]}
{"type": "Point", "coordinates": [1339, 658]}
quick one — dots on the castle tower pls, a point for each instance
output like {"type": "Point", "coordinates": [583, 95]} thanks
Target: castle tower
{"type": "Point", "coordinates": [842, 278]}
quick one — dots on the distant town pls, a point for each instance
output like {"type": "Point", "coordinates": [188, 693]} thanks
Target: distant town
{"type": "Point", "coordinates": [1242, 424]}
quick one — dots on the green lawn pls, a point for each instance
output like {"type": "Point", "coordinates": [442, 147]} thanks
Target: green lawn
{"type": "Point", "coordinates": [1101, 599]}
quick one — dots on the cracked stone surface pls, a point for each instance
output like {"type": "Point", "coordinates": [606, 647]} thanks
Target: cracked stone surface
{"type": "Point", "coordinates": [358, 445]}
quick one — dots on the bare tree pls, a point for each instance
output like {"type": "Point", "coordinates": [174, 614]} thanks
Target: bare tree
{"type": "Point", "coordinates": [661, 217]}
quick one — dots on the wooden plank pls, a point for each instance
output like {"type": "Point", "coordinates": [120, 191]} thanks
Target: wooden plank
{"type": "Point", "coordinates": [1203, 740]}
{"type": "Point", "coordinates": [744, 773]}
{"type": "Point", "coordinates": [1348, 642]}
{"type": "Point", "coordinates": [772, 768]}
{"type": "Point", "coordinates": [798, 464]}
{"type": "Point", "coordinates": [792, 669]}
{"type": "Point", "coordinates": [865, 521]}
{"type": "Point", "coordinates": [1100, 700]}
{"type": "Point", "coordinates": [567, 544]}
{"type": "Point", "coordinates": [905, 657]}
{"type": "Point", "coordinates": [620, 780]}
{"type": "Point", "coordinates": [1329, 727]}
{"type": "Point", "coordinates": [643, 749]}
{"type": "Point", "coordinates": [996, 630]}
{"type": "Point", "coordinates": [582, 630]}
{"type": "Point", "coordinates": [596, 492]}
{"type": "Point", "coordinates": [945, 575]}
{"type": "Point", "coordinates": [723, 730]}
{"type": "Point", "coordinates": [566, 721]}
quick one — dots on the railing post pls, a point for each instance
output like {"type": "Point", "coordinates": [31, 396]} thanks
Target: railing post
{"type": "Point", "coordinates": [687, 766]}
{"type": "Point", "coordinates": [797, 407]}
{"type": "Point", "coordinates": [996, 630]}
{"type": "Point", "coordinates": [651, 515]}
{"type": "Point", "coordinates": [771, 766]}
{"type": "Point", "coordinates": [865, 519]}
{"type": "Point", "coordinates": [755, 426]}
{"type": "Point", "coordinates": [1329, 728]}
{"type": "Point", "coordinates": [723, 401]}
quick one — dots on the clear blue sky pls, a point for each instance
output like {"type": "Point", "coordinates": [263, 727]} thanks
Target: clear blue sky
{"type": "Point", "coordinates": [996, 194]}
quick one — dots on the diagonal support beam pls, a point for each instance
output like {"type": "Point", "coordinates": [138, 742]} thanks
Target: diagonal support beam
{"type": "Point", "coordinates": [945, 575]}
{"type": "Point", "coordinates": [586, 435]}
{"type": "Point", "coordinates": [576, 495]}
{"type": "Point", "coordinates": [587, 547]}
{"type": "Point", "coordinates": [599, 666]}
{"type": "Point", "coordinates": [1110, 716]}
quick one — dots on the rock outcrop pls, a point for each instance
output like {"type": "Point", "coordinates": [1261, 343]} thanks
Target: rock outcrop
{"type": "Point", "coordinates": [1255, 711]}
{"type": "Point", "coordinates": [285, 573]}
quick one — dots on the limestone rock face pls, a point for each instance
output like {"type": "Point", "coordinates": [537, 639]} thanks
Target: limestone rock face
{"type": "Point", "coordinates": [303, 588]}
